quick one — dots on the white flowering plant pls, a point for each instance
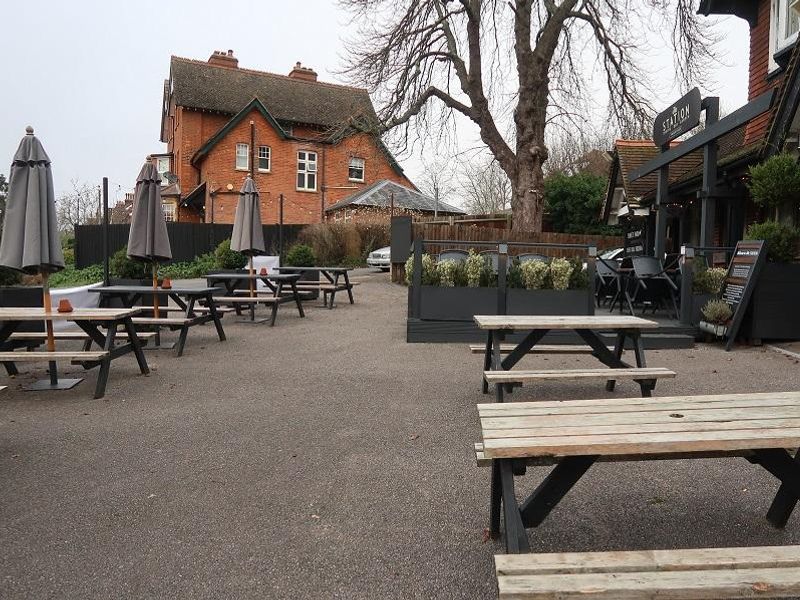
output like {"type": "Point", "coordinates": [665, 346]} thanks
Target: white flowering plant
{"type": "Point", "coordinates": [446, 270]}
{"type": "Point", "coordinates": [475, 267]}
{"type": "Point", "coordinates": [429, 270]}
{"type": "Point", "coordinates": [534, 274]}
{"type": "Point", "coordinates": [560, 272]}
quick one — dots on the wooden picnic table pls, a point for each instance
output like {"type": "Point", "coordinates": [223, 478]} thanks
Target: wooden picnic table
{"type": "Point", "coordinates": [332, 284]}
{"type": "Point", "coordinates": [574, 435]}
{"type": "Point", "coordinates": [185, 298]}
{"type": "Point", "coordinates": [99, 324]}
{"type": "Point", "coordinates": [588, 327]}
{"type": "Point", "coordinates": [274, 282]}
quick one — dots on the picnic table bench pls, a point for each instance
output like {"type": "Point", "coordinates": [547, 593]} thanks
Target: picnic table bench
{"type": "Point", "coordinates": [573, 435]}
{"type": "Point", "coordinates": [276, 295]}
{"type": "Point", "coordinates": [99, 326]}
{"type": "Point", "coordinates": [687, 574]}
{"type": "Point", "coordinates": [185, 299]}
{"type": "Point", "coordinates": [330, 286]}
{"type": "Point", "coordinates": [498, 370]}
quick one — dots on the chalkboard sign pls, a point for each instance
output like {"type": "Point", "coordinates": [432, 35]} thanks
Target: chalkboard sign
{"type": "Point", "coordinates": [740, 281]}
{"type": "Point", "coordinates": [634, 241]}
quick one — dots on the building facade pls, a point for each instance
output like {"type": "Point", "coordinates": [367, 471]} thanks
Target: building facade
{"type": "Point", "coordinates": [312, 142]}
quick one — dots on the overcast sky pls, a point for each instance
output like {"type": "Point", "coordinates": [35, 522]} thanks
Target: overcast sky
{"type": "Point", "coordinates": [88, 74]}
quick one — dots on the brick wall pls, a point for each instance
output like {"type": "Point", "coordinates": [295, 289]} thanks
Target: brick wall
{"type": "Point", "coordinates": [759, 69]}
{"type": "Point", "coordinates": [218, 168]}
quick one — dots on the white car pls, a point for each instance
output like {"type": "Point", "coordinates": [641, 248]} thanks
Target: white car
{"type": "Point", "coordinates": [380, 259]}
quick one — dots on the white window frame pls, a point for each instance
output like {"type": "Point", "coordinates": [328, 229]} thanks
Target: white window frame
{"type": "Point", "coordinates": [246, 156]}
{"type": "Point", "coordinates": [306, 166]}
{"type": "Point", "coordinates": [267, 156]}
{"type": "Point", "coordinates": [362, 166]}
{"type": "Point", "coordinates": [170, 211]}
{"type": "Point", "coordinates": [159, 162]}
{"type": "Point", "coordinates": [780, 15]}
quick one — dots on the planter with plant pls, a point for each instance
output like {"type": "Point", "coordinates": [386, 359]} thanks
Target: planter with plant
{"type": "Point", "coordinates": [706, 285]}
{"type": "Point", "coordinates": [716, 316]}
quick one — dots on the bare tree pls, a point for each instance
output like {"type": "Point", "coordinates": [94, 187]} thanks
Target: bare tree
{"type": "Point", "coordinates": [438, 181]}
{"type": "Point", "coordinates": [486, 187]}
{"type": "Point", "coordinates": [451, 54]}
{"type": "Point", "coordinates": [79, 206]}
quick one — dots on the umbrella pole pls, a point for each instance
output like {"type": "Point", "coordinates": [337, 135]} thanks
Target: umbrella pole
{"type": "Point", "coordinates": [155, 287]}
{"type": "Point", "coordinates": [48, 324]}
{"type": "Point", "coordinates": [252, 290]}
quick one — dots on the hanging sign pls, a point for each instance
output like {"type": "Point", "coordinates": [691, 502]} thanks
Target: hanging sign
{"type": "Point", "coordinates": [677, 119]}
{"type": "Point", "coordinates": [634, 241]}
{"type": "Point", "coordinates": [740, 281]}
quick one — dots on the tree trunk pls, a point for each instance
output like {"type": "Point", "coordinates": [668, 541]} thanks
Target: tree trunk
{"type": "Point", "coordinates": [527, 203]}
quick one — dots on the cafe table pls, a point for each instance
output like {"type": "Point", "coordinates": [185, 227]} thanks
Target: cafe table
{"type": "Point", "coordinates": [275, 282]}
{"type": "Point", "coordinates": [186, 299]}
{"type": "Point", "coordinates": [100, 326]}
{"type": "Point", "coordinates": [332, 275]}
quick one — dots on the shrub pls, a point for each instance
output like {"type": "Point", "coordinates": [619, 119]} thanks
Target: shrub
{"type": "Point", "coordinates": [475, 266]}
{"type": "Point", "coordinates": [69, 256]}
{"type": "Point", "coordinates": [227, 258]}
{"type": "Point", "coordinates": [127, 268]}
{"type": "Point", "coordinates": [514, 277]}
{"type": "Point", "coordinates": [717, 312]}
{"type": "Point", "coordinates": [579, 279]}
{"type": "Point", "coordinates": [775, 181]}
{"type": "Point", "coordinates": [372, 236]}
{"type": "Point", "coordinates": [301, 255]}
{"type": "Point", "coordinates": [197, 268]}
{"type": "Point", "coordinates": [560, 271]}
{"type": "Point", "coordinates": [72, 277]}
{"type": "Point", "coordinates": [534, 274]}
{"type": "Point", "coordinates": [708, 281]}
{"type": "Point", "coordinates": [9, 276]}
{"type": "Point", "coordinates": [429, 272]}
{"type": "Point", "coordinates": [446, 270]}
{"type": "Point", "coordinates": [781, 239]}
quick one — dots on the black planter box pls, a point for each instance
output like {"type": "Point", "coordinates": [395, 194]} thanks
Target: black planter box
{"type": "Point", "coordinates": [18, 295]}
{"type": "Point", "coordinates": [548, 302]}
{"type": "Point", "coordinates": [773, 310]}
{"type": "Point", "coordinates": [698, 302]}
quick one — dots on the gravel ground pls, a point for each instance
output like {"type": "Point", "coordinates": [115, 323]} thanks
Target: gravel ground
{"type": "Point", "coordinates": [327, 458]}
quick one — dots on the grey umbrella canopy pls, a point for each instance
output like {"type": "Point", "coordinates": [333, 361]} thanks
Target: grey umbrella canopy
{"type": "Point", "coordinates": [248, 234]}
{"type": "Point", "coordinates": [31, 242]}
{"type": "Point", "coordinates": [148, 239]}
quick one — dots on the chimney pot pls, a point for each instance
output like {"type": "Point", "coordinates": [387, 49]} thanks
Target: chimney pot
{"type": "Point", "coordinates": [304, 73]}
{"type": "Point", "coordinates": [221, 58]}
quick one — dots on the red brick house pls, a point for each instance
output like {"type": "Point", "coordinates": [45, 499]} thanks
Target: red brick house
{"type": "Point", "coordinates": [774, 63]}
{"type": "Point", "coordinates": [295, 135]}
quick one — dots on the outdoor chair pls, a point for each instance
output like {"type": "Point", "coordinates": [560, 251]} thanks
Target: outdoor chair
{"type": "Point", "coordinates": [607, 282]}
{"type": "Point", "coordinates": [453, 254]}
{"type": "Point", "coordinates": [652, 286]}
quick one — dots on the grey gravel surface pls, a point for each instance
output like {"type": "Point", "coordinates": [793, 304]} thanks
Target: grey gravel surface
{"type": "Point", "coordinates": [327, 458]}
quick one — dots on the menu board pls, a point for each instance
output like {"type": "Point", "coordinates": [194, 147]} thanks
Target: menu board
{"type": "Point", "coordinates": [748, 257]}
{"type": "Point", "coordinates": [634, 241]}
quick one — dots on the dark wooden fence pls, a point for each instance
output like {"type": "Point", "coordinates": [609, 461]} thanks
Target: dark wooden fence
{"type": "Point", "coordinates": [471, 233]}
{"type": "Point", "coordinates": [188, 240]}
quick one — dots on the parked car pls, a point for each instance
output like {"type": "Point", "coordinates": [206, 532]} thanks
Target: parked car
{"type": "Point", "coordinates": [380, 259]}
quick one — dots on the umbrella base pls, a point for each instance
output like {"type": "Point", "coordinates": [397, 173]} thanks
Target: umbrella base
{"type": "Point", "coordinates": [46, 384]}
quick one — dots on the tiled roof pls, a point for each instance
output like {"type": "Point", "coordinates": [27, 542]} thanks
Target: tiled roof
{"type": "Point", "coordinates": [380, 194]}
{"type": "Point", "coordinates": [200, 85]}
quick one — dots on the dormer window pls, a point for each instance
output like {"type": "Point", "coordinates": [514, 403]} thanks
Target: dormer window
{"type": "Point", "coordinates": [783, 27]}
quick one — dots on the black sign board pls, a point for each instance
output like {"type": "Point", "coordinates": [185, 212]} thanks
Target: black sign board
{"type": "Point", "coordinates": [634, 240]}
{"type": "Point", "coordinates": [677, 119]}
{"type": "Point", "coordinates": [740, 281]}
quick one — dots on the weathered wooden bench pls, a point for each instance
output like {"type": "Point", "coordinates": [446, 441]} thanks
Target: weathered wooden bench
{"type": "Point", "coordinates": [77, 356]}
{"type": "Point", "coordinates": [693, 574]}
{"type": "Point", "coordinates": [69, 335]}
{"type": "Point", "coordinates": [538, 349]}
{"type": "Point", "coordinates": [646, 377]}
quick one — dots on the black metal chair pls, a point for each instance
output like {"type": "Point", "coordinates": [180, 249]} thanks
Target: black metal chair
{"type": "Point", "coordinates": [607, 282]}
{"type": "Point", "coordinates": [652, 285]}
{"type": "Point", "coordinates": [523, 258]}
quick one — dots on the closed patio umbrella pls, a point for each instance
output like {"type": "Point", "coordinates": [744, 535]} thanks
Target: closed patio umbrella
{"type": "Point", "coordinates": [148, 239]}
{"type": "Point", "coordinates": [31, 242]}
{"type": "Point", "coordinates": [248, 234]}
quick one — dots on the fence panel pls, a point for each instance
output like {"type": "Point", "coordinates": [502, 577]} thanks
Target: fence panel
{"type": "Point", "coordinates": [188, 240]}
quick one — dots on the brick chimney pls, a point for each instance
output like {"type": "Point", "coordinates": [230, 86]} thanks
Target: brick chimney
{"type": "Point", "coordinates": [220, 58]}
{"type": "Point", "coordinates": [304, 73]}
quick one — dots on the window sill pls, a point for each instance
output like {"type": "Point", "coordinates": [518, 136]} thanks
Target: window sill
{"type": "Point", "coordinates": [305, 190]}
{"type": "Point", "coordinates": [355, 180]}
{"type": "Point", "coordinates": [241, 169]}
{"type": "Point", "coordinates": [265, 170]}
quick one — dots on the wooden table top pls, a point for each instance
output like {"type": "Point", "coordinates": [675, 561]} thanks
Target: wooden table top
{"type": "Point", "coordinates": [637, 426]}
{"type": "Point", "coordinates": [562, 322]}
{"type": "Point", "coordinates": [331, 269]}
{"type": "Point", "coordinates": [24, 313]}
{"type": "Point", "coordinates": [145, 289]}
{"type": "Point", "coordinates": [271, 276]}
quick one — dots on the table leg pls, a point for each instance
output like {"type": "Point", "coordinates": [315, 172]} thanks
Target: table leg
{"type": "Point", "coordinates": [487, 361]}
{"type": "Point", "coordinates": [647, 385]}
{"type": "Point", "coordinates": [296, 295]}
{"type": "Point", "coordinates": [333, 290]}
{"type": "Point", "coordinates": [497, 362]}
{"type": "Point", "coordinates": [495, 500]}
{"type": "Point", "coordinates": [349, 287]}
{"type": "Point", "coordinates": [277, 297]}
{"type": "Point", "coordinates": [552, 490]}
{"type": "Point", "coordinates": [212, 310]}
{"type": "Point", "coordinates": [516, 536]}
{"type": "Point", "coordinates": [136, 344]}
{"type": "Point", "coordinates": [787, 469]}
{"type": "Point", "coordinates": [105, 363]}
{"type": "Point", "coordinates": [5, 332]}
